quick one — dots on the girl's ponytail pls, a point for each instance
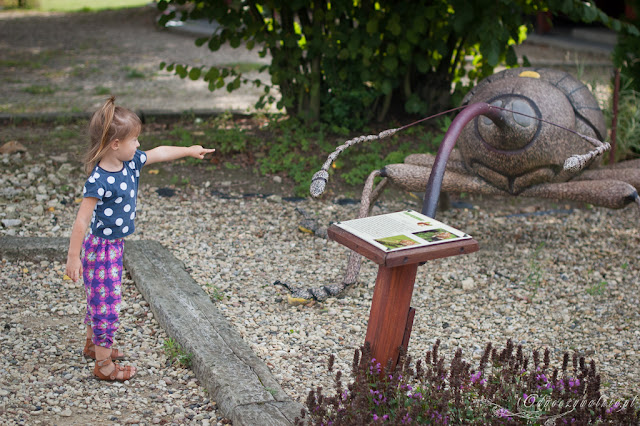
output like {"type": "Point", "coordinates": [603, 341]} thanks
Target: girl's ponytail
{"type": "Point", "coordinates": [110, 122]}
{"type": "Point", "coordinates": [106, 113]}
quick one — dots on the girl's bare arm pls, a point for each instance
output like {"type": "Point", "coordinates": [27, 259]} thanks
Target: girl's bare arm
{"type": "Point", "coordinates": [83, 219]}
{"type": "Point", "coordinates": [170, 153]}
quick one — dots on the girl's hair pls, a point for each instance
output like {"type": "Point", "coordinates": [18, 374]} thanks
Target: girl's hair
{"type": "Point", "coordinates": [109, 123]}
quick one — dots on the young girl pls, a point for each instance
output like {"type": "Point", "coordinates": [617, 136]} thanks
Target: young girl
{"type": "Point", "coordinates": [108, 208]}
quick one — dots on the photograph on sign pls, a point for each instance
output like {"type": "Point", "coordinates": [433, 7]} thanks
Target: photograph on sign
{"type": "Point", "coordinates": [402, 230]}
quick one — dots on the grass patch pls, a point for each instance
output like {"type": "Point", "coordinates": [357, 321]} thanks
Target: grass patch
{"type": "Point", "coordinates": [274, 145]}
{"type": "Point", "coordinates": [20, 63]}
{"type": "Point", "coordinates": [39, 90]}
{"type": "Point", "coordinates": [101, 90]}
{"type": "Point", "coordinates": [597, 289]}
{"type": "Point", "coordinates": [215, 294]}
{"type": "Point", "coordinates": [134, 73]}
{"type": "Point", "coordinates": [176, 353]}
{"type": "Point", "coordinates": [628, 126]}
{"type": "Point", "coordinates": [75, 5]}
{"type": "Point", "coordinates": [244, 67]}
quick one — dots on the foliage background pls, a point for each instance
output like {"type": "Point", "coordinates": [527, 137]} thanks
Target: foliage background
{"type": "Point", "coordinates": [347, 62]}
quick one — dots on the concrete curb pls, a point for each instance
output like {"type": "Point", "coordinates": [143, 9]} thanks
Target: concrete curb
{"type": "Point", "coordinates": [241, 384]}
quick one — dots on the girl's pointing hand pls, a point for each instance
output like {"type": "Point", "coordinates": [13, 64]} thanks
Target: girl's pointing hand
{"type": "Point", "coordinates": [197, 151]}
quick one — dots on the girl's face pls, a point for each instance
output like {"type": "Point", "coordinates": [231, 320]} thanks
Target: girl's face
{"type": "Point", "coordinates": [127, 148]}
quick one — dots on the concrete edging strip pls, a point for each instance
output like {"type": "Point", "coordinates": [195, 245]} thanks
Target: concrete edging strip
{"type": "Point", "coordinates": [241, 384]}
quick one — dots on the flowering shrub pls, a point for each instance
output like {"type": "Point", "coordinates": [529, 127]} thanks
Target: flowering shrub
{"type": "Point", "coordinates": [507, 388]}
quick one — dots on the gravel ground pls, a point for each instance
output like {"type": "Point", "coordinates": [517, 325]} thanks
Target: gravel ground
{"type": "Point", "coordinates": [46, 380]}
{"type": "Point", "coordinates": [567, 280]}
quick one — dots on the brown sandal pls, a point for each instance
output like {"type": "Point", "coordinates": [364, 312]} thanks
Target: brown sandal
{"type": "Point", "coordinates": [127, 371]}
{"type": "Point", "coordinates": [91, 353]}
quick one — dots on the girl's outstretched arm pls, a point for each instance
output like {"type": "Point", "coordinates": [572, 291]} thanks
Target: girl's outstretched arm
{"type": "Point", "coordinates": [83, 219]}
{"type": "Point", "coordinates": [170, 153]}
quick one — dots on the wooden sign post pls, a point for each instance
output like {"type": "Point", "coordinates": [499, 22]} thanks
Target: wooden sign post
{"type": "Point", "coordinates": [391, 316]}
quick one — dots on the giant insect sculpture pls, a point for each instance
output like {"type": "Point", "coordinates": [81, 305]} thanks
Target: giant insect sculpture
{"type": "Point", "coordinates": [521, 132]}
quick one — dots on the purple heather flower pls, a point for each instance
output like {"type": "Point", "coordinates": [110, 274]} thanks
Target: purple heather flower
{"type": "Point", "coordinates": [406, 419]}
{"type": "Point", "coordinates": [613, 407]}
{"type": "Point", "coordinates": [378, 398]}
{"type": "Point", "coordinates": [503, 412]}
{"type": "Point", "coordinates": [375, 367]}
{"type": "Point", "coordinates": [476, 377]}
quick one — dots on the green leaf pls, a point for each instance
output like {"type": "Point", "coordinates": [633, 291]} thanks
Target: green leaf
{"type": "Point", "coordinates": [414, 104]}
{"type": "Point", "coordinates": [615, 25]}
{"type": "Point", "coordinates": [372, 26]}
{"type": "Point", "coordinates": [422, 63]}
{"type": "Point", "coordinates": [233, 85]}
{"type": "Point", "coordinates": [394, 26]}
{"type": "Point", "coordinates": [200, 41]}
{"type": "Point", "coordinates": [589, 13]}
{"type": "Point", "coordinates": [194, 74]}
{"type": "Point", "coordinates": [181, 70]}
{"type": "Point", "coordinates": [386, 87]}
{"type": "Point", "coordinates": [390, 63]}
{"type": "Point", "coordinates": [212, 74]}
{"type": "Point", "coordinates": [214, 44]}
{"type": "Point", "coordinates": [162, 64]}
{"type": "Point", "coordinates": [462, 17]}
{"type": "Point", "coordinates": [492, 53]}
{"type": "Point", "coordinates": [366, 52]}
{"type": "Point", "coordinates": [412, 36]}
{"type": "Point", "coordinates": [404, 50]}
{"type": "Point", "coordinates": [511, 57]}
{"type": "Point", "coordinates": [234, 41]}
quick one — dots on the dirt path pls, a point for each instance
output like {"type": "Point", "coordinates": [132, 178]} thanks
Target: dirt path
{"type": "Point", "coordinates": [56, 62]}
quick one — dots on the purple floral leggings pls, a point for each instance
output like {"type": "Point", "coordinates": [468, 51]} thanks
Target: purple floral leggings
{"type": "Point", "coordinates": [102, 273]}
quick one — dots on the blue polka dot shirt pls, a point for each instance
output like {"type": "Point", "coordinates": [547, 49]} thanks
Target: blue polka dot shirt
{"type": "Point", "coordinates": [117, 193]}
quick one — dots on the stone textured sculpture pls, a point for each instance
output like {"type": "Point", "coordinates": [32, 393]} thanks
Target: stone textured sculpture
{"type": "Point", "coordinates": [539, 119]}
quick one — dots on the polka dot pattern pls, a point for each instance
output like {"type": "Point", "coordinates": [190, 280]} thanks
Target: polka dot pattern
{"type": "Point", "coordinates": [116, 192]}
